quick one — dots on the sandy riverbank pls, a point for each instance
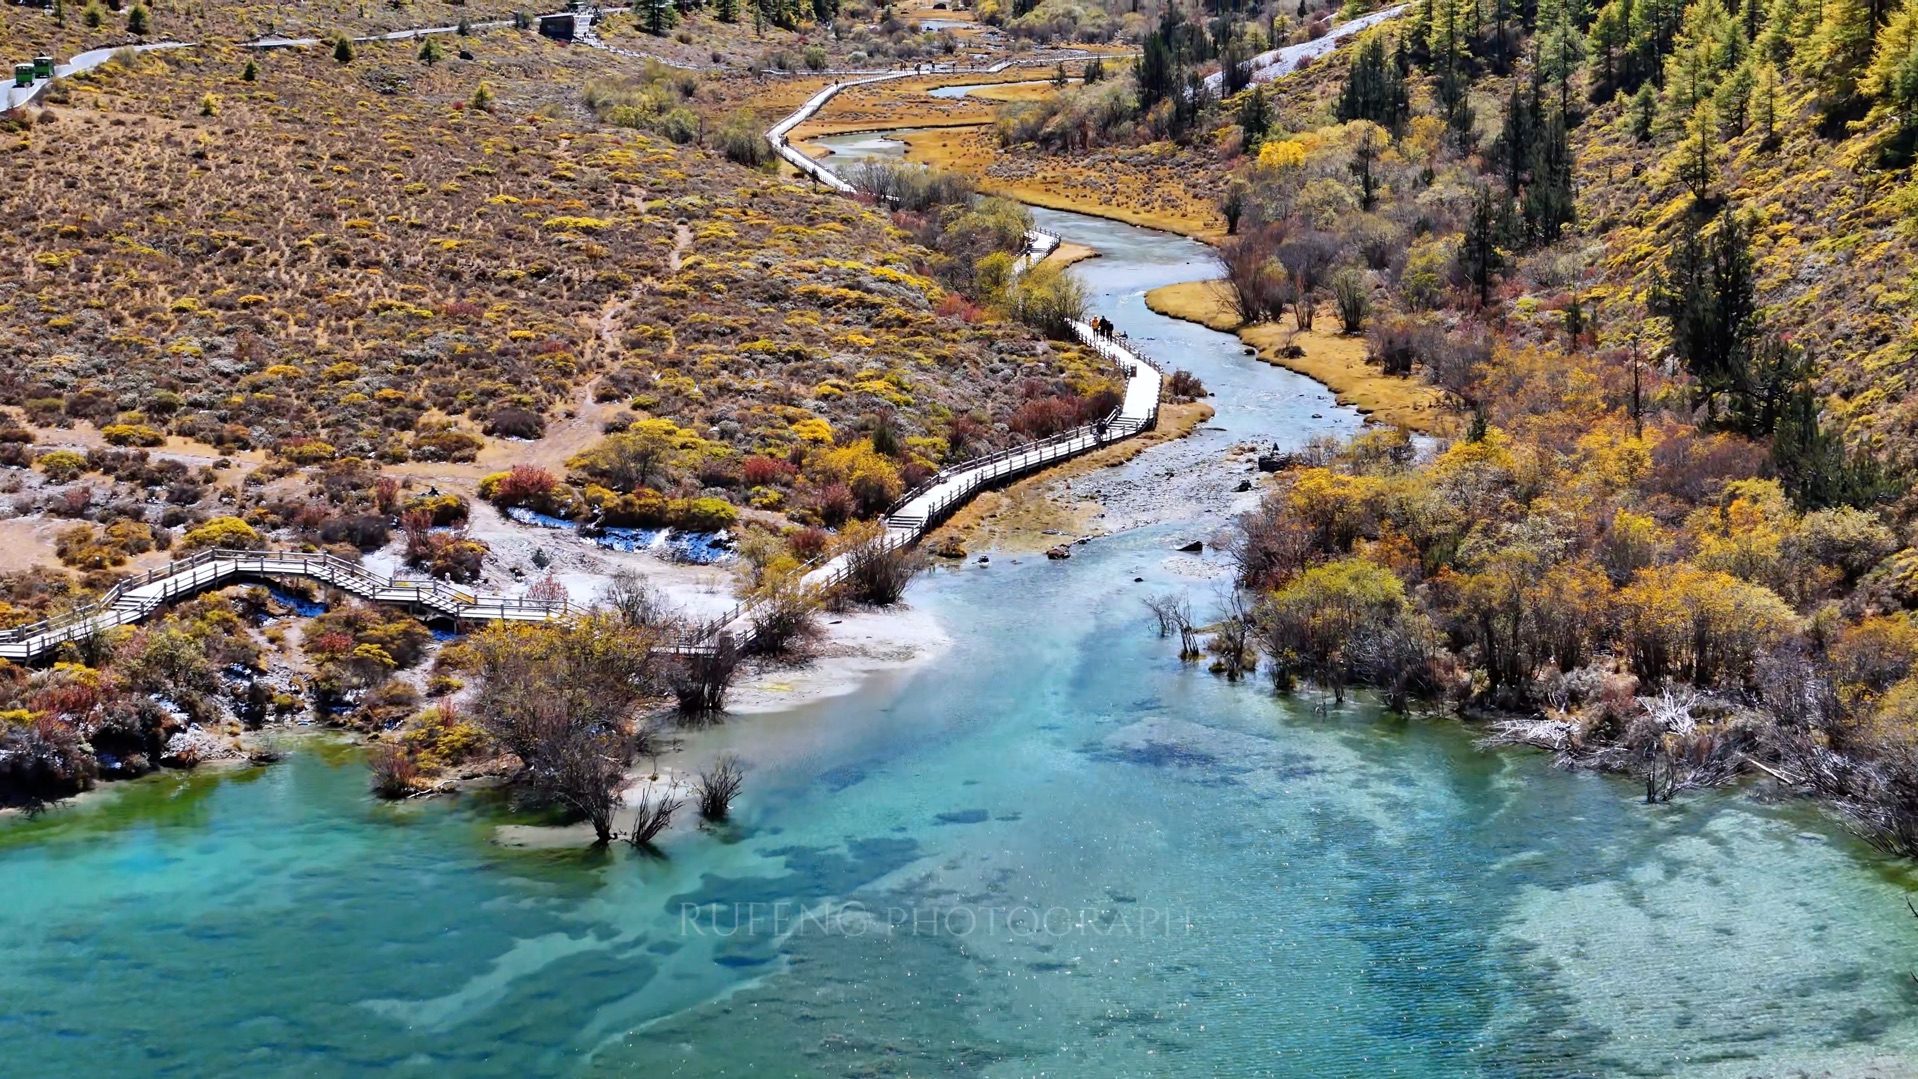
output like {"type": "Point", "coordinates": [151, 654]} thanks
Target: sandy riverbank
{"type": "Point", "coordinates": [852, 647]}
{"type": "Point", "coordinates": [1331, 358]}
{"type": "Point", "coordinates": [1068, 253]}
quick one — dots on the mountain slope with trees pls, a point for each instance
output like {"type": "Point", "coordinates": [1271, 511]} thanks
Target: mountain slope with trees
{"type": "Point", "coordinates": [1658, 259]}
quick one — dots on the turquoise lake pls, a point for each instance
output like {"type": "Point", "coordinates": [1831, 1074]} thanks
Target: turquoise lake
{"type": "Point", "coordinates": [1054, 850]}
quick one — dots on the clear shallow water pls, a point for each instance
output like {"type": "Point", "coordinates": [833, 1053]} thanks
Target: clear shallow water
{"type": "Point", "coordinates": [969, 90]}
{"type": "Point", "coordinates": [1052, 851]}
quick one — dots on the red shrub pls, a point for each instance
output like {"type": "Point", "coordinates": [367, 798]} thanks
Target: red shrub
{"type": "Point", "coordinates": [761, 471]}
{"type": "Point", "coordinates": [335, 643]}
{"type": "Point", "coordinates": [1099, 405]}
{"type": "Point", "coordinates": [835, 505]}
{"type": "Point", "coordinates": [957, 306]}
{"type": "Point", "coordinates": [964, 431]}
{"type": "Point", "coordinates": [523, 483]}
{"type": "Point", "coordinates": [73, 502]}
{"type": "Point", "coordinates": [1045, 416]}
{"type": "Point", "coordinates": [548, 589]}
{"type": "Point", "coordinates": [808, 543]}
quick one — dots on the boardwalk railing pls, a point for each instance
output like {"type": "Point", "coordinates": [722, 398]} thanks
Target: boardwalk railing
{"type": "Point", "coordinates": [135, 598]}
{"type": "Point", "coordinates": [908, 519]}
{"type": "Point", "coordinates": [922, 508]}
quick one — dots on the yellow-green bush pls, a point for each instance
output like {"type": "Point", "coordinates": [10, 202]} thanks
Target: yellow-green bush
{"type": "Point", "coordinates": [223, 532]}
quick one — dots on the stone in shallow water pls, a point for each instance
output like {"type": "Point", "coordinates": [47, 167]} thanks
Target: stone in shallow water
{"type": "Point", "coordinates": [963, 816]}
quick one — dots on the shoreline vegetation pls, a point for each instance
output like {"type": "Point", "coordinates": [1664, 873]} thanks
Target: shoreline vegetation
{"type": "Point", "coordinates": [1678, 565]}
{"type": "Point", "coordinates": [973, 151]}
{"type": "Point", "coordinates": [1031, 515]}
{"type": "Point", "coordinates": [1685, 572]}
{"type": "Point", "coordinates": [1336, 361]}
{"type": "Point", "coordinates": [506, 700]}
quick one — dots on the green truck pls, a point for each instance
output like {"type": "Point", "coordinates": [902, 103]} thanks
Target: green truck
{"type": "Point", "coordinates": [23, 74]}
{"type": "Point", "coordinates": [43, 67]}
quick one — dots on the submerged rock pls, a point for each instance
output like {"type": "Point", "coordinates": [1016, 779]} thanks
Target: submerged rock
{"type": "Point", "coordinates": [1059, 552]}
{"type": "Point", "coordinates": [1194, 547]}
{"type": "Point", "coordinates": [949, 547]}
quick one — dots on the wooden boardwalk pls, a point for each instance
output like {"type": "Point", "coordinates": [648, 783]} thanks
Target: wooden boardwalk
{"type": "Point", "coordinates": [906, 521]}
{"type": "Point", "coordinates": [133, 599]}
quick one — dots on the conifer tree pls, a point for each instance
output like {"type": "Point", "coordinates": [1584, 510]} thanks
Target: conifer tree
{"type": "Point", "coordinates": [1607, 45]}
{"type": "Point", "coordinates": [1561, 47]}
{"type": "Point", "coordinates": [658, 16]}
{"type": "Point", "coordinates": [1158, 70]}
{"type": "Point", "coordinates": [1789, 28]}
{"type": "Point", "coordinates": [1706, 291]}
{"type": "Point", "coordinates": [1480, 255]}
{"type": "Point", "coordinates": [1367, 147]}
{"type": "Point", "coordinates": [1513, 147]}
{"type": "Point", "coordinates": [1550, 202]}
{"type": "Point", "coordinates": [1812, 462]}
{"type": "Point", "coordinates": [1838, 55]}
{"type": "Point", "coordinates": [1255, 119]}
{"type": "Point", "coordinates": [1374, 88]}
{"type": "Point", "coordinates": [1732, 100]}
{"type": "Point", "coordinates": [1764, 105]}
{"type": "Point", "coordinates": [1696, 155]}
{"type": "Point", "coordinates": [1643, 113]}
{"type": "Point", "coordinates": [1892, 84]}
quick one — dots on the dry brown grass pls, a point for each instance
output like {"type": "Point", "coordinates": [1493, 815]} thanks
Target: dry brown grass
{"type": "Point", "coordinates": [1068, 253]}
{"type": "Point", "coordinates": [1335, 360]}
{"type": "Point", "coordinates": [1132, 186]}
{"type": "Point", "coordinates": [905, 103]}
{"type": "Point", "coordinates": [351, 253]}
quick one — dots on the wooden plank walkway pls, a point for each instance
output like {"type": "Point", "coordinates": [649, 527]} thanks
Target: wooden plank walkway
{"type": "Point", "coordinates": [906, 521]}
{"type": "Point", "coordinates": [133, 599]}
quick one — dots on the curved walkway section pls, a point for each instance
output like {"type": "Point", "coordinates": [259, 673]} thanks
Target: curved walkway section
{"type": "Point", "coordinates": [135, 598]}
{"type": "Point", "coordinates": [907, 520]}
{"type": "Point", "coordinates": [925, 506]}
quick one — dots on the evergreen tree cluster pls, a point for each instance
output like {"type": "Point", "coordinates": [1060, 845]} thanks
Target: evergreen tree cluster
{"type": "Point", "coordinates": [1375, 89]}
{"type": "Point", "coordinates": [1167, 71]}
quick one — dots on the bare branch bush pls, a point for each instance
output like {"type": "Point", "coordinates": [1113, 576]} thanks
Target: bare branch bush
{"type": "Point", "coordinates": [654, 815]}
{"type": "Point", "coordinates": [879, 574]}
{"type": "Point", "coordinates": [700, 681]}
{"type": "Point", "coordinates": [718, 784]}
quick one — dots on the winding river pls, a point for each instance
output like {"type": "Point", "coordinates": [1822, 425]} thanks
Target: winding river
{"type": "Point", "coordinates": [1052, 851]}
